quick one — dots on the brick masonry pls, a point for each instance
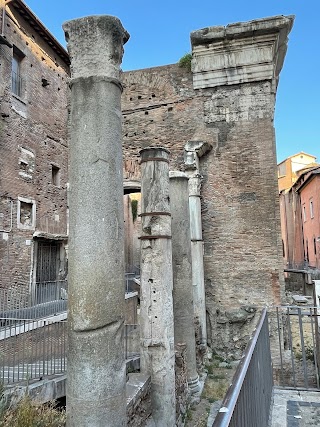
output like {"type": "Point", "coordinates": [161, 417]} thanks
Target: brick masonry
{"type": "Point", "coordinates": [240, 210]}
{"type": "Point", "coordinates": [160, 106]}
{"type": "Point", "coordinates": [32, 139]}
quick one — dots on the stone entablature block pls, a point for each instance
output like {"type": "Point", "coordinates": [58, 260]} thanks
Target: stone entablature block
{"type": "Point", "coordinates": [240, 53]}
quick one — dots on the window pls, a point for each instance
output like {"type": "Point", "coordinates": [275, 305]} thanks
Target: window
{"type": "Point", "coordinates": [282, 169]}
{"type": "Point", "coordinates": [55, 175]}
{"type": "Point", "coordinates": [16, 81]}
{"type": "Point", "coordinates": [26, 163]}
{"type": "Point", "coordinates": [26, 214]}
{"type": "Point", "coordinates": [311, 209]}
{"type": "Point", "coordinates": [304, 213]}
{"type": "Point", "coordinates": [315, 246]}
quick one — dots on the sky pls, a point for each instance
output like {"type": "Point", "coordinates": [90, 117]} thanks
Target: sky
{"type": "Point", "coordinates": [160, 34]}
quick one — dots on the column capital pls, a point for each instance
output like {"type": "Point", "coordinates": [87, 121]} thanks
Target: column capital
{"type": "Point", "coordinates": [193, 151]}
{"type": "Point", "coordinates": [240, 53]}
{"type": "Point", "coordinates": [95, 45]}
{"type": "Point", "coordinates": [195, 185]}
{"type": "Point", "coordinates": [178, 175]}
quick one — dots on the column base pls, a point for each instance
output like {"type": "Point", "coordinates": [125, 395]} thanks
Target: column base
{"type": "Point", "coordinates": [193, 384]}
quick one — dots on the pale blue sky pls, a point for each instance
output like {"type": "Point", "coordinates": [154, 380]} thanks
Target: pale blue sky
{"type": "Point", "coordinates": [160, 34]}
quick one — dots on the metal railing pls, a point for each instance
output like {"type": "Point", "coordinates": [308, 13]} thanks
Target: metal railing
{"type": "Point", "coordinates": [132, 341]}
{"type": "Point", "coordinates": [32, 349]}
{"type": "Point", "coordinates": [45, 299]}
{"type": "Point", "coordinates": [295, 353]}
{"type": "Point", "coordinates": [248, 400]}
{"type": "Point", "coordinates": [132, 282]}
{"type": "Point", "coordinates": [16, 83]}
{"type": "Point", "coordinates": [35, 349]}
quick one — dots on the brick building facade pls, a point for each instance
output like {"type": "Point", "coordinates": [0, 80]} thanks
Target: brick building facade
{"type": "Point", "coordinates": [226, 102]}
{"type": "Point", "coordinates": [232, 110]}
{"type": "Point", "coordinates": [33, 151]}
{"type": "Point", "coordinates": [308, 187]}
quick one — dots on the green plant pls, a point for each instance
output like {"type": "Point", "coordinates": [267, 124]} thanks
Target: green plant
{"type": "Point", "coordinates": [134, 209]}
{"type": "Point", "coordinates": [3, 402]}
{"type": "Point", "coordinates": [185, 61]}
{"type": "Point", "coordinates": [219, 358]}
{"type": "Point", "coordinates": [29, 414]}
{"type": "Point", "coordinates": [209, 368]}
{"type": "Point", "coordinates": [310, 353]}
{"type": "Point", "coordinates": [216, 376]}
{"type": "Point", "coordinates": [189, 414]}
{"type": "Point", "coordinates": [215, 390]}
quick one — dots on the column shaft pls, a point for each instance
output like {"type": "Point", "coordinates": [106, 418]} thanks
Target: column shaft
{"type": "Point", "coordinates": [96, 365]}
{"type": "Point", "coordinates": [199, 299]}
{"type": "Point", "coordinates": [157, 331]}
{"type": "Point", "coordinates": [182, 274]}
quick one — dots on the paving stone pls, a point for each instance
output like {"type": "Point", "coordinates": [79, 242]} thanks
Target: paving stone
{"type": "Point", "coordinates": [293, 408]}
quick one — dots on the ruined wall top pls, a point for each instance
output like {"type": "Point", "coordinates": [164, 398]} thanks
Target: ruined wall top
{"type": "Point", "coordinates": [240, 53]}
{"type": "Point", "coordinates": [95, 46]}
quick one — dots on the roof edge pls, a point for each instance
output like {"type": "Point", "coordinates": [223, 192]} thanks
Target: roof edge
{"type": "Point", "coordinates": [21, 7]}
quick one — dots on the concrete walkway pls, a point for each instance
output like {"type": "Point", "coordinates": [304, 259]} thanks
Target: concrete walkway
{"type": "Point", "coordinates": [293, 408]}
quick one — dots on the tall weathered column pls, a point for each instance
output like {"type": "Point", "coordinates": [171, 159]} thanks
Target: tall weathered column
{"type": "Point", "coordinates": [96, 364]}
{"type": "Point", "coordinates": [197, 257]}
{"type": "Point", "coordinates": [157, 331]}
{"type": "Point", "coordinates": [194, 150]}
{"type": "Point", "coordinates": [182, 274]}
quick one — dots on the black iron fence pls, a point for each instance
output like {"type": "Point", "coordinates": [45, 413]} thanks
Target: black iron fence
{"type": "Point", "coordinates": [32, 349]}
{"type": "Point", "coordinates": [45, 299]}
{"type": "Point", "coordinates": [248, 399]}
{"type": "Point", "coordinates": [35, 349]}
{"type": "Point", "coordinates": [295, 351]}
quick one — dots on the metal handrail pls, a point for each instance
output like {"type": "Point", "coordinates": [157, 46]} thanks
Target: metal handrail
{"type": "Point", "coordinates": [230, 401]}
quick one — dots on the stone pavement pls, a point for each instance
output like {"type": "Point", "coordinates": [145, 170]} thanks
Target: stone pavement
{"type": "Point", "coordinates": [294, 408]}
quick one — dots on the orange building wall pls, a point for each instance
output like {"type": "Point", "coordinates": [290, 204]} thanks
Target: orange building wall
{"type": "Point", "coordinates": [311, 226]}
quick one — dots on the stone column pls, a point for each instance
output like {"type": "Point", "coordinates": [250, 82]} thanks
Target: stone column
{"type": "Point", "coordinates": [194, 150]}
{"type": "Point", "coordinates": [199, 297]}
{"type": "Point", "coordinates": [157, 331]}
{"type": "Point", "coordinates": [182, 274]}
{"type": "Point", "coordinates": [96, 364]}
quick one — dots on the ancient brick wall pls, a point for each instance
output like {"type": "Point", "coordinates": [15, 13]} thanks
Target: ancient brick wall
{"type": "Point", "coordinates": [240, 209]}
{"type": "Point", "coordinates": [33, 147]}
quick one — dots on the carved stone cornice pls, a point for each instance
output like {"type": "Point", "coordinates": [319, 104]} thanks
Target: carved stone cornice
{"type": "Point", "coordinates": [240, 53]}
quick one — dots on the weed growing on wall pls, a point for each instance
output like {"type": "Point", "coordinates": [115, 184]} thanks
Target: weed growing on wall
{"type": "Point", "coordinates": [185, 61]}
